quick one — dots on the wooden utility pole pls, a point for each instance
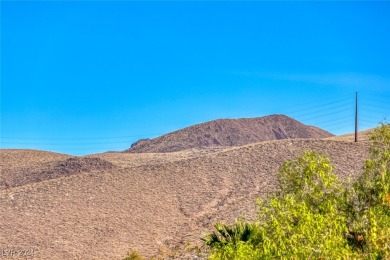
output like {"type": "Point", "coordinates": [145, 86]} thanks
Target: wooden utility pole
{"type": "Point", "coordinates": [356, 118]}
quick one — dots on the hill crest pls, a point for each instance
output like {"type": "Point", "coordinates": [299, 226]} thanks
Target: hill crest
{"type": "Point", "coordinates": [229, 132]}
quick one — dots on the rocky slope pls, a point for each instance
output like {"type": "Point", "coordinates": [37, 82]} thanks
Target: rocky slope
{"type": "Point", "coordinates": [229, 132]}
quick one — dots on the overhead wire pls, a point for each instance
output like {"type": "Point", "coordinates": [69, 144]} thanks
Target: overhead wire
{"type": "Point", "coordinates": [318, 114]}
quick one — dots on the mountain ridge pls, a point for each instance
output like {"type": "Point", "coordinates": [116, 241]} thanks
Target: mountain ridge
{"type": "Point", "coordinates": [229, 132]}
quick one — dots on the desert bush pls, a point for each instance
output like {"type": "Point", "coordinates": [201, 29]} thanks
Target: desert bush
{"type": "Point", "coordinates": [134, 255]}
{"type": "Point", "coordinates": [186, 251]}
{"type": "Point", "coordinates": [240, 231]}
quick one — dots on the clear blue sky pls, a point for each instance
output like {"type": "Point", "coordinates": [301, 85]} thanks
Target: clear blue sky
{"type": "Point", "coordinates": [91, 76]}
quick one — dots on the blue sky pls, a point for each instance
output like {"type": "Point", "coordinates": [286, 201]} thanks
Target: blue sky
{"type": "Point", "coordinates": [91, 76]}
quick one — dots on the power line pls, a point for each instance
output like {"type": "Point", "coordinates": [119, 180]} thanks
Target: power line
{"type": "Point", "coordinates": [127, 142]}
{"type": "Point", "coordinates": [376, 101]}
{"type": "Point", "coordinates": [75, 138]}
{"type": "Point", "coordinates": [158, 134]}
{"type": "Point", "coordinates": [319, 113]}
{"type": "Point", "coordinates": [316, 112]}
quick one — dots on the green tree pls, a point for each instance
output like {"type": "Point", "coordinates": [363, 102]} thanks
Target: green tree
{"type": "Point", "coordinates": [373, 187]}
{"type": "Point", "coordinates": [369, 200]}
{"type": "Point", "coordinates": [309, 179]}
{"type": "Point", "coordinates": [301, 221]}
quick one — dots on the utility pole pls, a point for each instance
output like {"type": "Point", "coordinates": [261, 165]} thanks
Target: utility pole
{"type": "Point", "coordinates": [356, 119]}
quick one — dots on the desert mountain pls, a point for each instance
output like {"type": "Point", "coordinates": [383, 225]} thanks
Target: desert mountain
{"type": "Point", "coordinates": [229, 132]}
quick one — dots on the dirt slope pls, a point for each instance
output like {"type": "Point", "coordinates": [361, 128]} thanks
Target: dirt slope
{"type": "Point", "coordinates": [229, 132]}
{"type": "Point", "coordinates": [20, 167]}
{"type": "Point", "coordinates": [148, 201]}
{"type": "Point", "coordinates": [363, 136]}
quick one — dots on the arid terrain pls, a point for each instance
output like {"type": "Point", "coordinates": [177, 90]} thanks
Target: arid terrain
{"type": "Point", "coordinates": [100, 206]}
{"type": "Point", "coordinates": [229, 132]}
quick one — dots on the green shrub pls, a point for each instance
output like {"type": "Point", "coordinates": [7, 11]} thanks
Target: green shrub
{"type": "Point", "coordinates": [369, 200]}
{"type": "Point", "coordinates": [240, 231]}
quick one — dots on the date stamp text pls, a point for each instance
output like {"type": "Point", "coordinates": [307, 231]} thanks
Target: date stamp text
{"type": "Point", "coordinates": [16, 252]}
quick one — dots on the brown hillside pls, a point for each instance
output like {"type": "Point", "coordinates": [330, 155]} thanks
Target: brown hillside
{"type": "Point", "coordinates": [149, 201]}
{"type": "Point", "coordinates": [229, 132]}
{"type": "Point", "coordinates": [20, 167]}
{"type": "Point", "coordinates": [363, 136]}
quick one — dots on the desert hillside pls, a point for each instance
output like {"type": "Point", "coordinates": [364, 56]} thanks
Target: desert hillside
{"type": "Point", "coordinates": [363, 136]}
{"type": "Point", "coordinates": [20, 167]}
{"type": "Point", "coordinates": [100, 206]}
{"type": "Point", "coordinates": [229, 132]}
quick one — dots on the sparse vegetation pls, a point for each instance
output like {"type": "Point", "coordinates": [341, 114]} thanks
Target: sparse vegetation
{"type": "Point", "coordinates": [316, 216]}
{"type": "Point", "coordinates": [188, 251]}
{"type": "Point", "coordinates": [134, 255]}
